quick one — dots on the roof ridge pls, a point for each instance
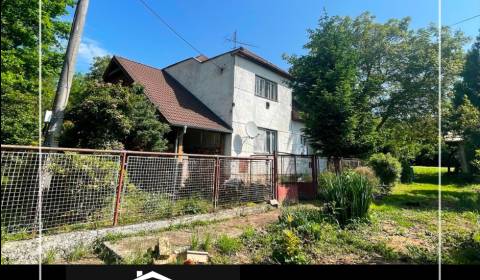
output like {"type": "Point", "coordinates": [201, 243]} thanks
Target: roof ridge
{"type": "Point", "coordinates": [117, 56]}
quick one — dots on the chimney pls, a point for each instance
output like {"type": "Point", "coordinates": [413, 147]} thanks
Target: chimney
{"type": "Point", "coordinates": [139, 273]}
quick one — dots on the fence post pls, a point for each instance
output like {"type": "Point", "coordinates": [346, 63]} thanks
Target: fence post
{"type": "Point", "coordinates": [121, 175]}
{"type": "Point", "coordinates": [275, 175]}
{"type": "Point", "coordinates": [216, 181]}
{"type": "Point", "coordinates": [314, 172]}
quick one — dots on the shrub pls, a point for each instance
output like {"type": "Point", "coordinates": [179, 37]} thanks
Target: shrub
{"type": "Point", "coordinates": [248, 234]}
{"type": "Point", "coordinates": [299, 218]}
{"type": "Point", "coordinates": [192, 205]}
{"type": "Point", "coordinates": [287, 249]}
{"type": "Point", "coordinates": [348, 195]}
{"type": "Point", "coordinates": [49, 257]}
{"type": "Point", "coordinates": [476, 162]}
{"type": "Point", "coordinates": [228, 245]}
{"type": "Point", "coordinates": [139, 258]}
{"type": "Point", "coordinates": [78, 253]}
{"type": "Point", "coordinates": [407, 173]}
{"type": "Point", "coordinates": [387, 168]}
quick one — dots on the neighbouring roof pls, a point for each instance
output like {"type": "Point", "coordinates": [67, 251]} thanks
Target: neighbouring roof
{"type": "Point", "coordinates": [177, 105]}
{"type": "Point", "coordinates": [452, 137]}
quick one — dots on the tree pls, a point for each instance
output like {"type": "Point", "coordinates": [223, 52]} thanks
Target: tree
{"type": "Point", "coordinates": [80, 80]}
{"type": "Point", "coordinates": [113, 116]}
{"type": "Point", "coordinates": [462, 114]}
{"type": "Point", "coordinates": [470, 83]}
{"type": "Point", "coordinates": [19, 64]}
{"type": "Point", "coordinates": [363, 83]}
{"type": "Point", "coordinates": [325, 85]}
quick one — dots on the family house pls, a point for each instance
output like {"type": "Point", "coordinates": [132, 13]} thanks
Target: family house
{"type": "Point", "coordinates": [210, 102]}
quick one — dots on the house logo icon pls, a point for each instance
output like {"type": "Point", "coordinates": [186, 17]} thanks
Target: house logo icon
{"type": "Point", "coordinates": [150, 275]}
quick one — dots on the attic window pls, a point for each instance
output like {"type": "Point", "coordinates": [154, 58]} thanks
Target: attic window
{"type": "Point", "coordinates": [265, 88]}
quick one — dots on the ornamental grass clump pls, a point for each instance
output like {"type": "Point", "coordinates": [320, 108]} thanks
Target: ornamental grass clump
{"type": "Point", "coordinates": [348, 195]}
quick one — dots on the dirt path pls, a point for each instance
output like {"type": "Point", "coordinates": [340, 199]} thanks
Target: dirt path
{"type": "Point", "coordinates": [179, 239]}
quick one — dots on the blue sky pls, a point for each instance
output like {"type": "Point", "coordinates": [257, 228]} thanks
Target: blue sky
{"type": "Point", "coordinates": [126, 28]}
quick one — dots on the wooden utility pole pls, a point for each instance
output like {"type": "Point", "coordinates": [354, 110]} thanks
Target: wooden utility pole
{"type": "Point", "coordinates": [66, 76]}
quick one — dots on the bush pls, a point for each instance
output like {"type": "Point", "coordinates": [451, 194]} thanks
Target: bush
{"type": "Point", "coordinates": [387, 168]}
{"type": "Point", "coordinates": [228, 245]}
{"type": "Point", "coordinates": [476, 163]}
{"type": "Point", "coordinates": [288, 249]}
{"type": "Point", "coordinates": [348, 195]}
{"type": "Point", "coordinates": [407, 173]}
{"type": "Point", "coordinates": [192, 206]}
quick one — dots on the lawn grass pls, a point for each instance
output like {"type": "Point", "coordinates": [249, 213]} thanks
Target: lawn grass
{"type": "Point", "coordinates": [402, 228]}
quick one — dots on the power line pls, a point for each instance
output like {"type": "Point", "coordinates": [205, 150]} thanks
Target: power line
{"type": "Point", "coordinates": [464, 20]}
{"type": "Point", "coordinates": [154, 13]}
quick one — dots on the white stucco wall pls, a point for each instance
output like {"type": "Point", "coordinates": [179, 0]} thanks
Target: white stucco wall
{"type": "Point", "coordinates": [210, 85]}
{"type": "Point", "coordinates": [249, 107]}
{"type": "Point", "coordinates": [231, 95]}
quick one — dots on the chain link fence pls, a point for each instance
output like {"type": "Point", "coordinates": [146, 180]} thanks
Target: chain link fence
{"type": "Point", "coordinates": [85, 189]}
{"type": "Point", "coordinates": [295, 169]}
{"type": "Point", "coordinates": [244, 180]}
{"type": "Point", "coordinates": [76, 190]}
{"type": "Point", "coordinates": [157, 187]}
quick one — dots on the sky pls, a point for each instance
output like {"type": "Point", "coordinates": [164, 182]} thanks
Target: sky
{"type": "Point", "coordinates": [274, 27]}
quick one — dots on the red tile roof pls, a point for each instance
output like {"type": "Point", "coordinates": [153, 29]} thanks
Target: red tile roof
{"type": "Point", "coordinates": [176, 104]}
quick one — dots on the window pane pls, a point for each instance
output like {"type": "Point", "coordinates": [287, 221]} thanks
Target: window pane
{"type": "Point", "coordinates": [265, 88]}
{"type": "Point", "coordinates": [259, 146]}
{"type": "Point", "coordinates": [268, 142]}
{"type": "Point", "coordinates": [274, 141]}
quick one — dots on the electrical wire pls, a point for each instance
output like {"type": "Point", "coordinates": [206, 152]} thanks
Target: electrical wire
{"type": "Point", "coordinates": [464, 20]}
{"type": "Point", "coordinates": [155, 14]}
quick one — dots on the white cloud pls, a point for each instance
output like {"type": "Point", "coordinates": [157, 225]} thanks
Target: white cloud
{"type": "Point", "coordinates": [89, 49]}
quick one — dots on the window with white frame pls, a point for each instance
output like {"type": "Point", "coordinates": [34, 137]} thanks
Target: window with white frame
{"type": "Point", "coordinates": [303, 144]}
{"type": "Point", "coordinates": [266, 141]}
{"type": "Point", "coordinates": [265, 88]}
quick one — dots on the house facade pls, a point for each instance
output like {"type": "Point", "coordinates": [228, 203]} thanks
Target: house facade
{"type": "Point", "coordinates": [210, 101]}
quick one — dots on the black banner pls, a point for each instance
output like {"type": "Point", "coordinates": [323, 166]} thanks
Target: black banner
{"type": "Point", "coordinates": [232, 272]}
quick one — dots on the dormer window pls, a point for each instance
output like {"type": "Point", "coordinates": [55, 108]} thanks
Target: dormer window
{"type": "Point", "coordinates": [265, 88]}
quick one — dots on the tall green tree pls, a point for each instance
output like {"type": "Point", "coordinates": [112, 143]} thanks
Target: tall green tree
{"type": "Point", "coordinates": [463, 113]}
{"type": "Point", "coordinates": [362, 83]}
{"type": "Point", "coordinates": [470, 82]}
{"type": "Point", "coordinates": [325, 85]}
{"type": "Point", "coordinates": [19, 64]}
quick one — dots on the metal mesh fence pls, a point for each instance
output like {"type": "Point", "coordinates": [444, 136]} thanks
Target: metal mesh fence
{"type": "Point", "coordinates": [344, 164]}
{"type": "Point", "coordinates": [295, 169]}
{"type": "Point", "coordinates": [162, 187]}
{"type": "Point", "coordinates": [244, 180]}
{"type": "Point", "coordinates": [76, 190]}
{"type": "Point", "coordinates": [91, 189]}
{"type": "Point", "coordinates": [322, 164]}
